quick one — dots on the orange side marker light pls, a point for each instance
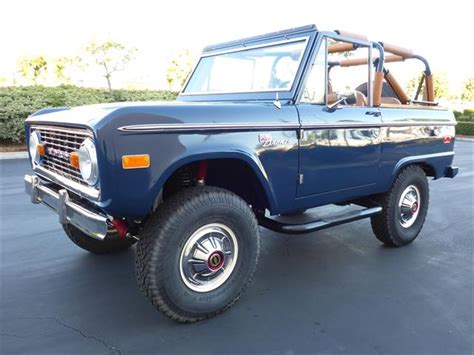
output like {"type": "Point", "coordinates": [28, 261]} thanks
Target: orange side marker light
{"type": "Point", "coordinates": [136, 161]}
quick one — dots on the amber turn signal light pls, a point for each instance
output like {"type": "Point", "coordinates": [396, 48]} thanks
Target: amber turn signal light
{"type": "Point", "coordinates": [74, 160]}
{"type": "Point", "coordinates": [41, 149]}
{"type": "Point", "coordinates": [136, 161]}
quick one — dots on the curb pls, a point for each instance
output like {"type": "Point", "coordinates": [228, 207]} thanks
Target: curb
{"type": "Point", "coordinates": [465, 139]}
{"type": "Point", "coordinates": [13, 155]}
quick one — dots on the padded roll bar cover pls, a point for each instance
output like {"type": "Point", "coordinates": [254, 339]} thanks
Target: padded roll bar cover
{"type": "Point", "coordinates": [378, 84]}
{"type": "Point", "coordinates": [428, 94]}
{"type": "Point", "coordinates": [393, 58]}
{"type": "Point", "coordinates": [362, 61]}
{"type": "Point", "coordinates": [353, 62]}
{"type": "Point", "coordinates": [340, 47]}
{"type": "Point", "coordinates": [403, 52]}
{"type": "Point", "coordinates": [352, 35]}
{"type": "Point", "coordinates": [397, 88]}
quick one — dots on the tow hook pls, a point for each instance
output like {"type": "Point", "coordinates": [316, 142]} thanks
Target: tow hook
{"type": "Point", "coordinates": [122, 228]}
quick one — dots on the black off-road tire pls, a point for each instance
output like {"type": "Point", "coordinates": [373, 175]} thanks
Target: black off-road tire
{"type": "Point", "coordinates": [165, 235]}
{"type": "Point", "coordinates": [111, 244]}
{"type": "Point", "coordinates": [386, 226]}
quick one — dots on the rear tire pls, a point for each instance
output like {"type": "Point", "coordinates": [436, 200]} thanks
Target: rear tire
{"type": "Point", "coordinates": [198, 253]}
{"type": "Point", "coordinates": [405, 207]}
{"type": "Point", "coordinates": [111, 244]}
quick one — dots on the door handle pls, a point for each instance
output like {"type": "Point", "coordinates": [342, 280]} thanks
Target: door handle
{"type": "Point", "coordinates": [374, 113]}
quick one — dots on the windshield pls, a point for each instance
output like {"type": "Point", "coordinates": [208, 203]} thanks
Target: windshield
{"type": "Point", "coordinates": [268, 68]}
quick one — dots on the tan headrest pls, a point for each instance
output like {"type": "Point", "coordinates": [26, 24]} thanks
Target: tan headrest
{"type": "Point", "coordinates": [390, 100]}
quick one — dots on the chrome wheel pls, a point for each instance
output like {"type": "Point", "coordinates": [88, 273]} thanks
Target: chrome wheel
{"type": "Point", "coordinates": [409, 206]}
{"type": "Point", "coordinates": [208, 257]}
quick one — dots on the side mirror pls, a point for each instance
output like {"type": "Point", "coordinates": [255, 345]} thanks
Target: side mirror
{"type": "Point", "coordinates": [335, 105]}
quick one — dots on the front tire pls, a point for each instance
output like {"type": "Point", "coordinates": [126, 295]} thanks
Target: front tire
{"type": "Point", "coordinates": [198, 253]}
{"type": "Point", "coordinates": [404, 206]}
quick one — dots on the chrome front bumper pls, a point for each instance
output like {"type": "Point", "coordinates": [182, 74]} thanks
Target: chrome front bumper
{"type": "Point", "coordinates": [90, 222]}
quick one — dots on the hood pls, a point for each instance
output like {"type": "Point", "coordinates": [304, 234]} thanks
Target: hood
{"type": "Point", "coordinates": [114, 116]}
{"type": "Point", "coordinates": [88, 115]}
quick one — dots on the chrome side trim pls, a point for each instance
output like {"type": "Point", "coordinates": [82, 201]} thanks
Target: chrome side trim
{"type": "Point", "coordinates": [81, 190]}
{"type": "Point", "coordinates": [90, 222]}
{"type": "Point", "coordinates": [178, 127]}
{"type": "Point", "coordinates": [375, 124]}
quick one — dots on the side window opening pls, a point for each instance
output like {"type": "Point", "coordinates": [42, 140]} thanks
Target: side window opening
{"type": "Point", "coordinates": [349, 81]}
{"type": "Point", "coordinates": [315, 91]}
{"type": "Point", "coordinates": [344, 80]}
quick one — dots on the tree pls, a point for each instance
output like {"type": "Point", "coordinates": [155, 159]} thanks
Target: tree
{"type": "Point", "coordinates": [179, 69]}
{"type": "Point", "coordinates": [440, 83]}
{"type": "Point", "coordinates": [32, 67]}
{"type": "Point", "coordinates": [468, 90]}
{"type": "Point", "coordinates": [111, 57]}
{"type": "Point", "coordinates": [62, 66]}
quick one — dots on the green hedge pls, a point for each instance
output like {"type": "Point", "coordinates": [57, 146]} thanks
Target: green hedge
{"type": "Point", "coordinates": [465, 116]}
{"type": "Point", "coordinates": [16, 103]}
{"type": "Point", "coordinates": [465, 128]}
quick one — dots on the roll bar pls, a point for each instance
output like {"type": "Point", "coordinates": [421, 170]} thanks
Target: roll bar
{"type": "Point", "coordinates": [397, 54]}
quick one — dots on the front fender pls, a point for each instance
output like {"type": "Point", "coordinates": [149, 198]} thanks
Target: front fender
{"type": "Point", "coordinates": [134, 192]}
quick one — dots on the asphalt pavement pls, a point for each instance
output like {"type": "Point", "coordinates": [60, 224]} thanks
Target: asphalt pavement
{"type": "Point", "coordinates": [334, 291]}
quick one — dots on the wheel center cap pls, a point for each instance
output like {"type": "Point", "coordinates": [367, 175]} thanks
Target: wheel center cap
{"type": "Point", "coordinates": [414, 207]}
{"type": "Point", "coordinates": [215, 261]}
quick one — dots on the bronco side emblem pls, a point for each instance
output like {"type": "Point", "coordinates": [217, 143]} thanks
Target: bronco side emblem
{"type": "Point", "coordinates": [266, 140]}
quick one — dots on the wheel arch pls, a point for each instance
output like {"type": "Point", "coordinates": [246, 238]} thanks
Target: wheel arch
{"type": "Point", "coordinates": [242, 162]}
{"type": "Point", "coordinates": [432, 164]}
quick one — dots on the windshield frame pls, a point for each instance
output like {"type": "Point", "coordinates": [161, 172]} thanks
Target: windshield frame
{"type": "Point", "coordinates": [245, 49]}
{"type": "Point", "coordinates": [307, 36]}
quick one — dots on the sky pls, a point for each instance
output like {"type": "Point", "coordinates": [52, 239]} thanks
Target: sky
{"type": "Point", "coordinates": [438, 30]}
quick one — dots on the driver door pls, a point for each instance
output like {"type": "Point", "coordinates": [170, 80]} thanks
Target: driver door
{"type": "Point", "coordinates": [339, 150]}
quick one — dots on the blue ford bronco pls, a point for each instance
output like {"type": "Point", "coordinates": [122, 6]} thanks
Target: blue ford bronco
{"type": "Point", "coordinates": [264, 126]}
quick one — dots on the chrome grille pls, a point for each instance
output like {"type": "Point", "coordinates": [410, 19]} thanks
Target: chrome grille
{"type": "Point", "coordinates": [60, 143]}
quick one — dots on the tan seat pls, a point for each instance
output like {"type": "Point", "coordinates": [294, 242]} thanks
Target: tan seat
{"type": "Point", "coordinates": [361, 100]}
{"type": "Point", "coordinates": [390, 100]}
{"type": "Point", "coordinates": [332, 98]}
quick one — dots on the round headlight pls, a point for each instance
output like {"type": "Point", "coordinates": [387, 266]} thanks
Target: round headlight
{"type": "Point", "coordinates": [88, 162]}
{"type": "Point", "coordinates": [35, 139]}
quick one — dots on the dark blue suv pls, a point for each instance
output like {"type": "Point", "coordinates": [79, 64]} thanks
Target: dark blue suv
{"type": "Point", "coordinates": [265, 126]}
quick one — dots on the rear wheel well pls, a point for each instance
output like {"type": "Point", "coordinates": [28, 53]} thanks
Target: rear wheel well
{"type": "Point", "coordinates": [231, 174]}
{"type": "Point", "coordinates": [428, 169]}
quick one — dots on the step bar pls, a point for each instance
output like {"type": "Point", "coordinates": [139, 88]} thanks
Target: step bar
{"type": "Point", "coordinates": [326, 222]}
